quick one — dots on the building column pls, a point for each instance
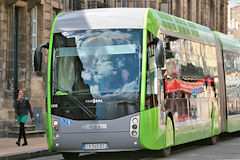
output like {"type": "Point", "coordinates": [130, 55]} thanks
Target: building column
{"type": "Point", "coordinates": [198, 12]}
{"type": "Point", "coordinates": [208, 10]}
{"type": "Point", "coordinates": [193, 10]}
{"type": "Point", "coordinates": [212, 19]}
{"type": "Point", "coordinates": [7, 115]}
{"type": "Point", "coordinates": [218, 19]}
{"type": "Point", "coordinates": [3, 39]}
{"type": "Point", "coordinates": [178, 8]}
{"type": "Point", "coordinates": [187, 9]}
{"type": "Point", "coordinates": [203, 12]}
{"type": "Point", "coordinates": [225, 16]}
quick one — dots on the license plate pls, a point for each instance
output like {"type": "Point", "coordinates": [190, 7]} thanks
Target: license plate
{"type": "Point", "coordinates": [95, 146]}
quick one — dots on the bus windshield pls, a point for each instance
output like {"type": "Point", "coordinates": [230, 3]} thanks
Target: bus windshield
{"type": "Point", "coordinates": [97, 67]}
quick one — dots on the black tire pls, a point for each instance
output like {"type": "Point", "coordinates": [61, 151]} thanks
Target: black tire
{"type": "Point", "coordinates": [163, 152]}
{"type": "Point", "coordinates": [70, 155]}
{"type": "Point", "coordinates": [212, 140]}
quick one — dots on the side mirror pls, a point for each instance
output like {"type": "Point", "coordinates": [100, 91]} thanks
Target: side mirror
{"type": "Point", "coordinates": [159, 54]}
{"type": "Point", "coordinates": [38, 56]}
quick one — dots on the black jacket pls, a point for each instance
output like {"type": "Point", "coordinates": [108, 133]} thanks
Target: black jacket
{"type": "Point", "coordinates": [22, 108]}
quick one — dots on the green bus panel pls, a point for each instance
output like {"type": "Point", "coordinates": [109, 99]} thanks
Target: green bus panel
{"type": "Point", "coordinates": [228, 42]}
{"type": "Point", "coordinates": [48, 115]}
{"type": "Point", "coordinates": [233, 124]}
{"type": "Point", "coordinates": [151, 136]}
{"type": "Point", "coordinates": [158, 20]}
{"type": "Point", "coordinates": [170, 138]}
{"type": "Point", "coordinates": [188, 133]}
{"type": "Point", "coordinates": [216, 124]}
{"type": "Point", "coordinates": [49, 131]}
{"type": "Point", "coordinates": [192, 132]}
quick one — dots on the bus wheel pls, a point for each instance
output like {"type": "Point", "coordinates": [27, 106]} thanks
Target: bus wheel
{"type": "Point", "coordinates": [165, 152]}
{"type": "Point", "coordinates": [70, 156]}
{"type": "Point", "coordinates": [212, 140]}
{"type": "Point", "coordinates": [162, 153]}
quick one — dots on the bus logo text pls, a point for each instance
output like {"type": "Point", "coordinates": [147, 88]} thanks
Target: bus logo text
{"type": "Point", "coordinates": [94, 126]}
{"type": "Point", "coordinates": [93, 100]}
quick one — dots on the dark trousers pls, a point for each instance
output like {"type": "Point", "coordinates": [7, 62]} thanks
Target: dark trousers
{"type": "Point", "coordinates": [22, 132]}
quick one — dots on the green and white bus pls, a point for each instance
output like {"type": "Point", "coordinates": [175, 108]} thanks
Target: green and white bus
{"type": "Point", "coordinates": [122, 79]}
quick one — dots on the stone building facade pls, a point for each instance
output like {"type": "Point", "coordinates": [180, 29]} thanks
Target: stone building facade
{"type": "Point", "coordinates": [25, 24]}
{"type": "Point", "coordinates": [211, 13]}
{"type": "Point", "coordinates": [234, 26]}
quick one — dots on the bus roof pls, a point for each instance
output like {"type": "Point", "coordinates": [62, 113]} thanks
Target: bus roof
{"type": "Point", "coordinates": [104, 18]}
{"type": "Point", "coordinates": [178, 25]}
{"type": "Point", "coordinates": [228, 42]}
{"type": "Point", "coordinates": [119, 18]}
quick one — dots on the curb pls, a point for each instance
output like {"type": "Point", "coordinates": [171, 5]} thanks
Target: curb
{"type": "Point", "coordinates": [23, 155]}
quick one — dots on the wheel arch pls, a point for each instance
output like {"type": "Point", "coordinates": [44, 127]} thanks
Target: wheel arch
{"type": "Point", "coordinates": [169, 114]}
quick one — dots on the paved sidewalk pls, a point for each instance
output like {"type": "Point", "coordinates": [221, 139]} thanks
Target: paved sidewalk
{"type": "Point", "coordinates": [36, 147]}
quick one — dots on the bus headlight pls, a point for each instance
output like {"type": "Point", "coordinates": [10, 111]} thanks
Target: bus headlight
{"type": "Point", "coordinates": [134, 126]}
{"type": "Point", "coordinates": [134, 133]}
{"type": "Point", "coordinates": [55, 123]}
{"type": "Point", "coordinates": [135, 120]}
{"type": "Point", "coordinates": [57, 135]}
{"type": "Point", "coordinates": [56, 129]}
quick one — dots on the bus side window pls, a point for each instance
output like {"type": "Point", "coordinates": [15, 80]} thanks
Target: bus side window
{"type": "Point", "coordinates": [151, 99]}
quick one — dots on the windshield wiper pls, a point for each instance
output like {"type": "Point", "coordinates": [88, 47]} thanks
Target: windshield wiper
{"type": "Point", "coordinates": [79, 104]}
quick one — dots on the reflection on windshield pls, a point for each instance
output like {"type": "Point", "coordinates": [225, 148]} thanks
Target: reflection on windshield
{"type": "Point", "coordinates": [100, 67]}
{"type": "Point", "coordinates": [98, 61]}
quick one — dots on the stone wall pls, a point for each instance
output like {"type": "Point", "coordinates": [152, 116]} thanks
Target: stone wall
{"type": "Point", "coordinates": [235, 19]}
{"type": "Point", "coordinates": [6, 114]}
{"type": "Point", "coordinates": [32, 83]}
{"type": "Point", "coordinates": [210, 13]}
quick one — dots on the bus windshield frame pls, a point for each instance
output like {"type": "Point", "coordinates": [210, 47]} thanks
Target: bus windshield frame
{"type": "Point", "coordinates": [101, 69]}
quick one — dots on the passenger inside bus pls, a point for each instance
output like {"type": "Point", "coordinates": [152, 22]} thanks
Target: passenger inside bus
{"type": "Point", "coordinates": [124, 79]}
{"type": "Point", "coordinates": [124, 76]}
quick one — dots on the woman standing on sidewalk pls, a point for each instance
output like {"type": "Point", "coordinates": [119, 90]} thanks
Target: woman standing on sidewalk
{"type": "Point", "coordinates": [22, 107]}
